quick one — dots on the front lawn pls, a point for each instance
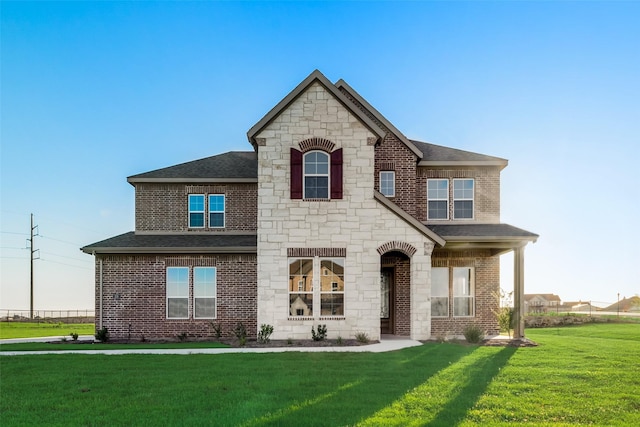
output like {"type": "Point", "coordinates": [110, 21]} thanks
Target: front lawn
{"type": "Point", "coordinates": [43, 329]}
{"type": "Point", "coordinates": [579, 375]}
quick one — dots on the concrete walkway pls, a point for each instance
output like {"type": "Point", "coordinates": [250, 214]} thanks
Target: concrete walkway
{"type": "Point", "coordinates": [387, 343]}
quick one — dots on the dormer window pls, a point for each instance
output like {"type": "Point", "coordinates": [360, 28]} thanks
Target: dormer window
{"type": "Point", "coordinates": [316, 175]}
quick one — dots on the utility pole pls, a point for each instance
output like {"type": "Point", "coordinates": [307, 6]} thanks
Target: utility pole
{"type": "Point", "coordinates": [32, 251]}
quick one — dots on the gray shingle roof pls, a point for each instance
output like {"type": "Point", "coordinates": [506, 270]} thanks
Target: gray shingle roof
{"type": "Point", "coordinates": [231, 165]}
{"type": "Point", "coordinates": [178, 243]}
{"type": "Point", "coordinates": [438, 153]}
{"type": "Point", "coordinates": [481, 231]}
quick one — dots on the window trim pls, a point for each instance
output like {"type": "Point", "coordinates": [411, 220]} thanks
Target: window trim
{"type": "Point", "coordinates": [464, 199]}
{"type": "Point", "coordinates": [442, 296]}
{"type": "Point", "coordinates": [214, 297]}
{"type": "Point", "coordinates": [393, 183]}
{"type": "Point", "coordinates": [439, 199]}
{"type": "Point", "coordinates": [315, 279]}
{"type": "Point", "coordinates": [472, 291]}
{"type": "Point", "coordinates": [190, 211]}
{"type": "Point", "coordinates": [290, 287]}
{"type": "Point", "coordinates": [167, 297]}
{"type": "Point", "coordinates": [223, 211]}
{"type": "Point", "coordinates": [305, 175]}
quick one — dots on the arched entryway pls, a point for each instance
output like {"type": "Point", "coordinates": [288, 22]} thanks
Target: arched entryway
{"type": "Point", "coordinates": [395, 294]}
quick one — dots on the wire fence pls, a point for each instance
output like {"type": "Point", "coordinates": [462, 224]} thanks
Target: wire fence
{"type": "Point", "coordinates": [47, 316]}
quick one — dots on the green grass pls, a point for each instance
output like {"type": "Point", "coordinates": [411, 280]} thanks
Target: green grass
{"type": "Point", "coordinates": [576, 376]}
{"type": "Point", "coordinates": [69, 345]}
{"type": "Point", "coordinates": [34, 330]}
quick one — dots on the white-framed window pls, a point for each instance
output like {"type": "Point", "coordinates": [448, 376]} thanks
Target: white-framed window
{"type": "Point", "coordinates": [440, 292]}
{"type": "Point", "coordinates": [300, 300]}
{"type": "Point", "coordinates": [316, 175]}
{"type": "Point", "coordinates": [196, 210]}
{"type": "Point", "coordinates": [332, 287]}
{"type": "Point", "coordinates": [463, 291]}
{"type": "Point", "coordinates": [463, 198]}
{"type": "Point", "coordinates": [177, 292]}
{"type": "Point", "coordinates": [216, 210]}
{"type": "Point", "coordinates": [388, 183]}
{"type": "Point", "coordinates": [437, 199]}
{"type": "Point", "coordinates": [204, 292]}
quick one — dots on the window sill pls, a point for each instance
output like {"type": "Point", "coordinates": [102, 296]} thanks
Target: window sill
{"type": "Point", "coordinates": [332, 317]}
{"type": "Point", "coordinates": [300, 318]}
{"type": "Point", "coordinates": [316, 200]}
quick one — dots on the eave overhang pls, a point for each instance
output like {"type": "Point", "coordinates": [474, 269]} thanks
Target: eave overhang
{"type": "Point", "coordinates": [315, 76]}
{"type": "Point", "coordinates": [462, 164]}
{"type": "Point", "coordinates": [133, 180]}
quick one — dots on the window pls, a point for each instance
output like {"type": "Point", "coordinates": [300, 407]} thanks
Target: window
{"type": "Point", "coordinates": [437, 199]}
{"type": "Point", "coordinates": [332, 287]}
{"type": "Point", "coordinates": [440, 292]}
{"type": "Point", "coordinates": [196, 210]}
{"type": "Point", "coordinates": [301, 299]}
{"type": "Point", "coordinates": [178, 292]}
{"type": "Point", "coordinates": [204, 292]}
{"type": "Point", "coordinates": [463, 291]}
{"type": "Point", "coordinates": [463, 199]}
{"type": "Point", "coordinates": [388, 183]}
{"type": "Point", "coordinates": [328, 294]}
{"type": "Point", "coordinates": [331, 178]}
{"type": "Point", "coordinates": [216, 210]}
{"type": "Point", "coordinates": [316, 175]}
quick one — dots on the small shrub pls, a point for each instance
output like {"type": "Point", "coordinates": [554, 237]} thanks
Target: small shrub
{"type": "Point", "coordinates": [289, 341]}
{"type": "Point", "coordinates": [217, 330]}
{"type": "Point", "coordinates": [182, 337]}
{"type": "Point", "coordinates": [441, 338]}
{"type": "Point", "coordinates": [473, 334]}
{"type": "Point", "coordinates": [74, 336]}
{"type": "Point", "coordinates": [142, 338]}
{"type": "Point", "coordinates": [102, 335]}
{"type": "Point", "coordinates": [63, 339]}
{"type": "Point", "coordinates": [362, 337]}
{"type": "Point", "coordinates": [265, 333]}
{"type": "Point", "coordinates": [241, 333]}
{"type": "Point", "coordinates": [505, 319]}
{"type": "Point", "coordinates": [321, 335]}
{"type": "Point", "coordinates": [339, 340]}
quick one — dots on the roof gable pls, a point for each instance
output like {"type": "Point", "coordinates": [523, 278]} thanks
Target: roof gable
{"type": "Point", "coordinates": [315, 76]}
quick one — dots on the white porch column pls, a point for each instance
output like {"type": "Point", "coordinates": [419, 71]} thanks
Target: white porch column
{"type": "Point", "coordinates": [518, 292]}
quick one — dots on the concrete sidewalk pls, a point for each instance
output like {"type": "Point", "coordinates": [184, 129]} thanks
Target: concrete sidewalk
{"type": "Point", "coordinates": [388, 343]}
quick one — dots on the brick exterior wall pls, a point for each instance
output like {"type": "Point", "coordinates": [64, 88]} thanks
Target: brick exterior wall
{"type": "Point", "coordinates": [393, 155]}
{"type": "Point", "coordinates": [486, 192]}
{"type": "Point", "coordinates": [164, 207]}
{"type": "Point", "coordinates": [134, 295]}
{"type": "Point", "coordinates": [487, 290]}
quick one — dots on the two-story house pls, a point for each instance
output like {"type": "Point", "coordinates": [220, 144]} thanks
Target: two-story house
{"type": "Point", "coordinates": [334, 217]}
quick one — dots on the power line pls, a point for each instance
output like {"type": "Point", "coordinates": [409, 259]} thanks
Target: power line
{"type": "Point", "coordinates": [62, 263]}
{"type": "Point", "coordinates": [68, 257]}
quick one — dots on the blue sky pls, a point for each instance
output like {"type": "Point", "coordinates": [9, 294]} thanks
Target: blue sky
{"type": "Point", "coordinates": [94, 92]}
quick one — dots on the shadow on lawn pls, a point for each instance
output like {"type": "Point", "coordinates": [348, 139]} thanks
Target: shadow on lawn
{"type": "Point", "coordinates": [480, 376]}
{"type": "Point", "coordinates": [361, 392]}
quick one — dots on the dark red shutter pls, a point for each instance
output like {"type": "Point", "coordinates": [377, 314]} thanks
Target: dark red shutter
{"type": "Point", "coordinates": [296, 174]}
{"type": "Point", "coordinates": [336, 174]}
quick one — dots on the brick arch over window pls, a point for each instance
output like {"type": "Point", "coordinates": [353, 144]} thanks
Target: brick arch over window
{"type": "Point", "coordinates": [316, 143]}
{"type": "Point", "coordinates": [297, 158]}
{"type": "Point", "coordinates": [395, 245]}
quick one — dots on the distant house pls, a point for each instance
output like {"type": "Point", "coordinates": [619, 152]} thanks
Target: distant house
{"type": "Point", "coordinates": [541, 303]}
{"type": "Point", "coordinates": [334, 217]}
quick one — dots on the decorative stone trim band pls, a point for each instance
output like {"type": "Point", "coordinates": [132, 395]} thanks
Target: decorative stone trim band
{"type": "Point", "coordinates": [316, 143]}
{"type": "Point", "coordinates": [403, 247]}
{"type": "Point", "coordinates": [321, 252]}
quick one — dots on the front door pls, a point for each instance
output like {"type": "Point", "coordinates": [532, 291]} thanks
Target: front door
{"type": "Point", "coordinates": [386, 301]}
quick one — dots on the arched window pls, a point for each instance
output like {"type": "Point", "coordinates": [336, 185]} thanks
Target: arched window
{"type": "Point", "coordinates": [316, 175]}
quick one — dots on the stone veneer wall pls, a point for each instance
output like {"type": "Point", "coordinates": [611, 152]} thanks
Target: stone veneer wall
{"type": "Point", "coordinates": [357, 223]}
{"type": "Point", "coordinates": [164, 207]}
{"type": "Point", "coordinates": [134, 295]}
{"type": "Point", "coordinates": [487, 291]}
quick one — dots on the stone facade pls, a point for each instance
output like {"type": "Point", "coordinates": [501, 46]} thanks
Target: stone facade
{"type": "Point", "coordinates": [357, 223]}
